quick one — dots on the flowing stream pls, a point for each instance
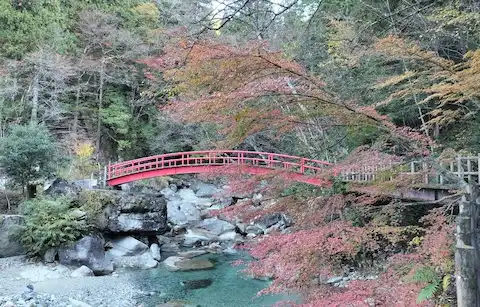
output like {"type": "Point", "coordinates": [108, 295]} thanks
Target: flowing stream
{"type": "Point", "coordinates": [229, 287]}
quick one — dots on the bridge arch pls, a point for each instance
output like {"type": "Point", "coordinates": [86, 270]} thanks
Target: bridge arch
{"type": "Point", "coordinates": [291, 168]}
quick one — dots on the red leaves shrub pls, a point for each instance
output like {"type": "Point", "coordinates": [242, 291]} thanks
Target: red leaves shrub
{"type": "Point", "coordinates": [294, 260]}
{"type": "Point", "coordinates": [437, 245]}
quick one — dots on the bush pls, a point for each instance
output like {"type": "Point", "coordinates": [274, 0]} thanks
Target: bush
{"type": "Point", "coordinates": [49, 223]}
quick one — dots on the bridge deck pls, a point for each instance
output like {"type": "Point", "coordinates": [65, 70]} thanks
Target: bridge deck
{"type": "Point", "coordinates": [294, 168]}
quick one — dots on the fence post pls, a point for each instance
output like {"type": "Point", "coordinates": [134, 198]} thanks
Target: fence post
{"type": "Point", "coordinates": [466, 250]}
{"type": "Point", "coordinates": [459, 168]}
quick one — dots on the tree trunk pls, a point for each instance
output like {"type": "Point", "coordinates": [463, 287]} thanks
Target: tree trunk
{"type": "Point", "coordinates": [31, 191]}
{"type": "Point", "coordinates": [75, 114]}
{"type": "Point", "coordinates": [100, 106]}
{"type": "Point", "coordinates": [35, 90]}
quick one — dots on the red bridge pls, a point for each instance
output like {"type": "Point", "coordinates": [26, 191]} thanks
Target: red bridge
{"type": "Point", "coordinates": [221, 161]}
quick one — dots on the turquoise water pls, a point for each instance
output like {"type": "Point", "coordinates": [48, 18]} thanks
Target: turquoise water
{"type": "Point", "coordinates": [230, 288]}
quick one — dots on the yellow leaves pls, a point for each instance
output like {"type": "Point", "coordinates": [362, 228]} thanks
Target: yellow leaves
{"type": "Point", "coordinates": [416, 241]}
{"type": "Point", "coordinates": [396, 79]}
{"type": "Point", "coordinates": [148, 12]}
{"type": "Point", "coordinates": [452, 89]}
{"type": "Point", "coordinates": [84, 150]}
{"type": "Point", "coordinates": [446, 281]}
{"type": "Point", "coordinates": [396, 47]}
{"type": "Point", "coordinates": [340, 38]}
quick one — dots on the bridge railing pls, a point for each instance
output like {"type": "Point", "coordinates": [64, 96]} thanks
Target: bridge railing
{"type": "Point", "coordinates": [467, 168]}
{"type": "Point", "coordinates": [217, 158]}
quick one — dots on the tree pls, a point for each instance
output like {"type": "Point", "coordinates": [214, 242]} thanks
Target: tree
{"type": "Point", "coordinates": [27, 154]}
{"type": "Point", "coordinates": [247, 90]}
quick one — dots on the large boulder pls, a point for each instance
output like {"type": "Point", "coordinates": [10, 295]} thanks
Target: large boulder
{"type": "Point", "coordinates": [175, 263]}
{"type": "Point", "coordinates": [10, 226]}
{"type": "Point", "coordinates": [155, 251]}
{"type": "Point", "coordinates": [129, 252]}
{"type": "Point", "coordinates": [124, 212]}
{"type": "Point", "coordinates": [143, 261]}
{"type": "Point", "coordinates": [209, 230]}
{"type": "Point", "coordinates": [61, 187]}
{"type": "Point", "coordinates": [82, 271]}
{"type": "Point", "coordinates": [180, 212]}
{"type": "Point", "coordinates": [88, 251]}
{"type": "Point", "coordinates": [127, 246]}
{"type": "Point", "coordinates": [215, 226]}
{"type": "Point", "coordinates": [205, 189]}
{"type": "Point", "coordinates": [194, 236]}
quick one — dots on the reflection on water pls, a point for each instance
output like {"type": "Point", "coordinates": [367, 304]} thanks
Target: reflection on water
{"type": "Point", "coordinates": [228, 287]}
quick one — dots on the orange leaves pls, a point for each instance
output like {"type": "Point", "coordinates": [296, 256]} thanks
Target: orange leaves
{"type": "Point", "coordinates": [244, 90]}
{"type": "Point", "coordinates": [454, 89]}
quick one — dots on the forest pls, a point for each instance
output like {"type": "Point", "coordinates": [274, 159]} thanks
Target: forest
{"type": "Point", "coordinates": [353, 82]}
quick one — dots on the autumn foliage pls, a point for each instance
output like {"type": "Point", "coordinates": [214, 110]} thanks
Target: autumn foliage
{"type": "Point", "coordinates": [248, 89]}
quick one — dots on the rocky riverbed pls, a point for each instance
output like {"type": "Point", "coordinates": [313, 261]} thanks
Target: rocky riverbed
{"type": "Point", "coordinates": [152, 247]}
{"type": "Point", "coordinates": [23, 283]}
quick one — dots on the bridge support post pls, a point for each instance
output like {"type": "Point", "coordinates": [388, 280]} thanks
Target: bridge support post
{"type": "Point", "coordinates": [466, 251]}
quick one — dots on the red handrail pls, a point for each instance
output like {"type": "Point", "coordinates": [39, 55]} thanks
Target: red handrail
{"type": "Point", "coordinates": [216, 158]}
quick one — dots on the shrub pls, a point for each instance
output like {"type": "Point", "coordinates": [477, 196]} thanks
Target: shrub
{"type": "Point", "coordinates": [49, 223]}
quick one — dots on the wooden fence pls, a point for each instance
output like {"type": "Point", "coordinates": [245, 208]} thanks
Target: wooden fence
{"type": "Point", "coordinates": [467, 168]}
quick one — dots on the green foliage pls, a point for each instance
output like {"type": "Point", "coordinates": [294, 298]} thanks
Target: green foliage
{"type": "Point", "coordinates": [427, 274]}
{"type": "Point", "coordinates": [93, 203]}
{"type": "Point", "coordinates": [28, 153]}
{"type": "Point", "coordinates": [49, 223]}
{"type": "Point", "coordinates": [301, 190]}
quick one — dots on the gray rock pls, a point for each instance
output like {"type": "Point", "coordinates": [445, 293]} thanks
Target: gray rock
{"type": "Point", "coordinates": [10, 226]}
{"type": "Point", "coordinates": [197, 283]}
{"type": "Point", "coordinates": [40, 273]}
{"type": "Point", "coordinates": [168, 193]}
{"type": "Point", "coordinates": [335, 279]}
{"type": "Point", "coordinates": [61, 187]}
{"type": "Point", "coordinates": [163, 239]}
{"type": "Point", "coordinates": [183, 264]}
{"type": "Point", "coordinates": [193, 236]}
{"type": "Point", "coordinates": [124, 212]}
{"type": "Point", "coordinates": [79, 214]}
{"type": "Point", "coordinates": [82, 271]}
{"type": "Point", "coordinates": [8, 304]}
{"type": "Point", "coordinates": [50, 254]}
{"type": "Point", "coordinates": [254, 229]}
{"type": "Point", "coordinates": [170, 247]}
{"type": "Point", "coordinates": [242, 227]}
{"type": "Point", "coordinates": [127, 246]}
{"type": "Point", "coordinates": [205, 190]}
{"type": "Point", "coordinates": [257, 198]}
{"type": "Point", "coordinates": [76, 303]}
{"type": "Point", "coordinates": [187, 195]}
{"type": "Point", "coordinates": [143, 261]}
{"type": "Point", "coordinates": [173, 187]}
{"type": "Point", "coordinates": [155, 251]}
{"type": "Point", "coordinates": [192, 253]}
{"type": "Point", "coordinates": [177, 303]}
{"type": "Point", "coordinates": [215, 226]}
{"type": "Point", "coordinates": [228, 236]}
{"type": "Point", "coordinates": [181, 212]}
{"type": "Point", "coordinates": [87, 251]}
{"type": "Point", "coordinates": [271, 219]}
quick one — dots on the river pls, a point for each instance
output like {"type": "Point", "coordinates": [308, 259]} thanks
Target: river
{"type": "Point", "coordinates": [229, 287]}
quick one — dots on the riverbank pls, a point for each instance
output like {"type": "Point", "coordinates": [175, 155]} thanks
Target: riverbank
{"type": "Point", "coordinates": [54, 287]}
